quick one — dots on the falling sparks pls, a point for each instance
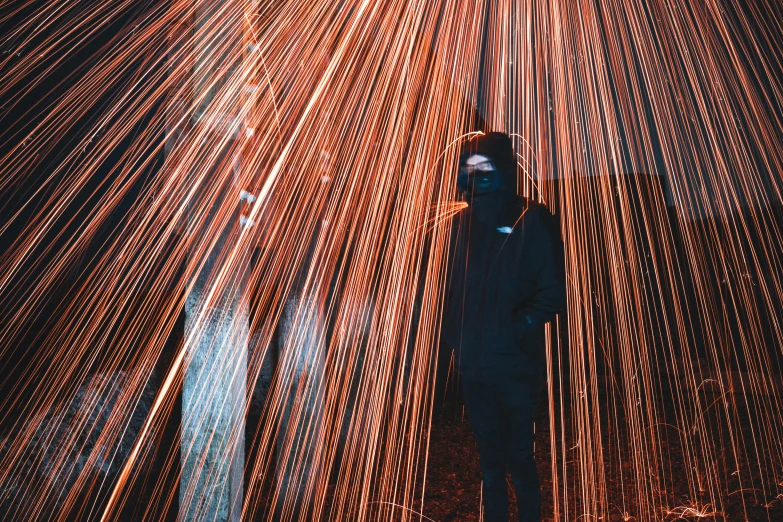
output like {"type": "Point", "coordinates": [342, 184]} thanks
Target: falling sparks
{"type": "Point", "coordinates": [335, 127]}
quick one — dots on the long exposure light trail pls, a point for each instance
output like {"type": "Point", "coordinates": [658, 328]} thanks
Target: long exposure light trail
{"type": "Point", "coordinates": [342, 120]}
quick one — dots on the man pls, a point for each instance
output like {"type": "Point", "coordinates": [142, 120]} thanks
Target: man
{"type": "Point", "coordinates": [507, 282]}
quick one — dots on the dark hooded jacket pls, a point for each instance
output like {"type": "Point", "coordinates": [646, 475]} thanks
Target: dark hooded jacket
{"type": "Point", "coordinates": [507, 276]}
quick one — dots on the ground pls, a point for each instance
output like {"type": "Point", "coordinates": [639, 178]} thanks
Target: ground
{"type": "Point", "coordinates": [454, 477]}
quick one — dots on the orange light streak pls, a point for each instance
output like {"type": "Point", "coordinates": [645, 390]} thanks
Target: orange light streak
{"type": "Point", "coordinates": [344, 120]}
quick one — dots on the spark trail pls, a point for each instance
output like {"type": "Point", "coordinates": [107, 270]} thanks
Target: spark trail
{"type": "Point", "coordinates": [343, 119]}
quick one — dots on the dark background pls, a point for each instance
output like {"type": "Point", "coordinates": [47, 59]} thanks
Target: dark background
{"type": "Point", "coordinates": [23, 104]}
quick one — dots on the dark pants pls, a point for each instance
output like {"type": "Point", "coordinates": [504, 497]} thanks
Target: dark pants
{"type": "Point", "coordinates": [502, 411]}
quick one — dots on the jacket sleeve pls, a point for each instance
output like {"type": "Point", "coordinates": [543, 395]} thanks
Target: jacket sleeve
{"type": "Point", "coordinates": [548, 297]}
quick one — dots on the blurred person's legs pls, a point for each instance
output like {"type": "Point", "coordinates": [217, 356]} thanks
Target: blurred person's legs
{"type": "Point", "coordinates": [522, 396]}
{"type": "Point", "coordinates": [502, 411]}
{"type": "Point", "coordinates": [483, 398]}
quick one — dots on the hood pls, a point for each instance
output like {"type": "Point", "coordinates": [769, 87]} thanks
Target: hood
{"type": "Point", "coordinates": [497, 147]}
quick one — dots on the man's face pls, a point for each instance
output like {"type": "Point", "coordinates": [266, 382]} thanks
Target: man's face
{"type": "Point", "coordinates": [477, 176]}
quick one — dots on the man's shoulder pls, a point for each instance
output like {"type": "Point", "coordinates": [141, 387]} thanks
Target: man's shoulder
{"type": "Point", "coordinates": [527, 210]}
{"type": "Point", "coordinates": [536, 207]}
